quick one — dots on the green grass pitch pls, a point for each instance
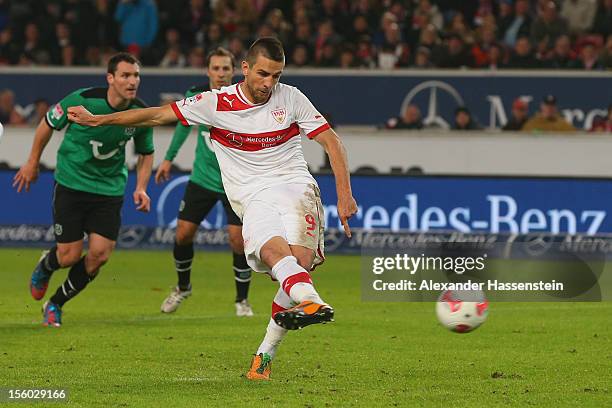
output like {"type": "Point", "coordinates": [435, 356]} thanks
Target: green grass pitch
{"type": "Point", "coordinates": [116, 348]}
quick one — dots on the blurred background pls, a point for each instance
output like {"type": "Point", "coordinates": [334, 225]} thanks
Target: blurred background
{"type": "Point", "coordinates": [473, 116]}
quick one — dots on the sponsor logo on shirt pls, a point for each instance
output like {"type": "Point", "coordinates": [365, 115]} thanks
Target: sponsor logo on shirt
{"type": "Point", "coordinates": [279, 114]}
{"type": "Point", "coordinates": [235, 139]}
{"type": "Point", "coordinates": [57, 112]}
{"type": "Point", "coordinates": [254, 142]}
{"type": "Point", "coordinates": [95, 148]}
{"type": "Point", "coordinates": [192, 99]}
{"type": "Point", "coordinates": [229, 101]}
{"type": "Point", "coordinates": [129, 131]}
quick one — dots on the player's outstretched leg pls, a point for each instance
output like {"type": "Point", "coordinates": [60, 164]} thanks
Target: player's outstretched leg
{"type": "Point", "coordinates": [183, 257]}
{"type": "Point", "coordinates": [39, 281]}
{"type": "Point", "coordinates": [242, 277]}
{"type": "Point", "coordinates": [296, 283]}
{"type": "Point", "coordinates": [77, 280]}
{"type": "Point", "coordinates": [262, 361]}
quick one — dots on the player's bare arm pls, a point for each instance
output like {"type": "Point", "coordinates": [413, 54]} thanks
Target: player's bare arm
{"type": "Point", "coordinates": [143, 174]}
{"type": "Point", "coordinates": [347, 206]}
{"type": "Point", "coordinates": [146, 117]}
{"type": "Point", "coordinates": [28, 173]}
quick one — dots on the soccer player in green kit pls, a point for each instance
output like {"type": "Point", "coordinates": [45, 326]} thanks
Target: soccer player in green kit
{"type": "Point", "coordinates": [203, 191]}
{"type": "Point", "coordinates": [90, 180]}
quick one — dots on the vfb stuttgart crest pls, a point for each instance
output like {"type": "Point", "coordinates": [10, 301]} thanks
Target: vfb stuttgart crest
{"type": "Point", "coordinates": [279, 115]}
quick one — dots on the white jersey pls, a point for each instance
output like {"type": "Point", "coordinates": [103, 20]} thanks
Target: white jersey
{"type": "Point", "coordinates": [258, 146]}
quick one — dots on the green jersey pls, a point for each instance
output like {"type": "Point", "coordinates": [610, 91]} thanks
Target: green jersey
{"type": "Point", "coordinates": [92, 159]}
{"type": "Point", "coordinates": [206, 172]}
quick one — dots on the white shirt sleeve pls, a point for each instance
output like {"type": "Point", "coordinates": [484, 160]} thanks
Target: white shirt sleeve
{"type": "Point", "coordinates": [199, 109]}
{"type": "Point", "coordinates": [308, 118]}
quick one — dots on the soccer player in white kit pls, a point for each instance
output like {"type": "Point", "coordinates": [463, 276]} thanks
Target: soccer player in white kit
{"type": "Point", "coordinates": [256, 128]}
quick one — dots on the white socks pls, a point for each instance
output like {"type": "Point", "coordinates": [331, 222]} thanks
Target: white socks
{"type": "Point", "coordinates": [295, 280]}
{"type": "Point", "coordinates": [274, 335]}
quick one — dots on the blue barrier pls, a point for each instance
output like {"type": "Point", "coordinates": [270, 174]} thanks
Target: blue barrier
{"type": "Point", "coordinates": [396, 204]}
{"type": "Point", "coordinates": [363, 99]}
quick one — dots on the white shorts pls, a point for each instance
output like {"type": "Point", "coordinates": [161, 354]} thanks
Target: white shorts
{"type": "Point", "coordinates": [290, 211]}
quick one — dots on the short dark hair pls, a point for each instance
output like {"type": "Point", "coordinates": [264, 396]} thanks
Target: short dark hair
{"type": "Point", "coordinates": [220, 52]}
{"type": "Point", "coordinates": [120, 57]}
{"type": "Point", "coordinates": [269, 47]}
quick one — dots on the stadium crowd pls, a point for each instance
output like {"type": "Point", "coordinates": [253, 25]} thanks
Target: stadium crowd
{"type": "Point", "coordinates": [384, 34]}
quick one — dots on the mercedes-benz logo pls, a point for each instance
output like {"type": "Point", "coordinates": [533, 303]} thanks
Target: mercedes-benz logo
{"type": "Point", "coordinates": [131, 236]}
{"type": "Point", "coordinates": [432, 117]}
{"type": "Point", "coordinates": [234, 139]}
{"type": "Point", "coordinates": [538, 244]}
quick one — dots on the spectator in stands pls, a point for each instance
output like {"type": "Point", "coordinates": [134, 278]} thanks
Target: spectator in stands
{"type": "Point", "coordinates": [365, 8]}
{"type": "Point", "coordinates": [302, 36]}
{"type": "Point", "coordinates": [480, 50]}
{"type": "Point", "coordinates": [603, 124]}
{"type": "Point", "coordinates": [197, 58]}
{"type": "Point", "coordinates": [8, 112]}
{"type": "Point", "coordinates": [365, 53]}
{"type": "Point", "coordinates": [299, 57]}
{"type": "Point", "coordinates": [215, 36]}
{"type": "Point", "coordinates": [548, 26]}
{"type": "Point", "coordinates": [236, 47]}
{"type": "Point", "coordinates": [454, 54]}
{"type": "Point", "coordinates": [34, 50]}
{"type": "Point", "coordinates": [548, 118]}
{"type": "Point", "coordinates": [410, 119]}
{"type": "Point", "coordinates": [464, 120]}
{"type": "Point", "coordinates": [347, 57]}
{"type": "Point", "coordinates": [522, 57]}
{"type": "Point", "coordinates": [62, 49]}
{"type": "Point", "coordinates": [41, 106]}
{"type": "Point", "coordinates": [429, 13]}
{"type": "Point", "coordinates": [9, 50]}
{"type": "Point", "coordinates": [579, 15]}
{"type": "Point", "coordinates": [332, 11]}
{"type": "Point", "coordinates": [172, 40]}
{"type": "Point", "coordinates": [276, 20]}
{"type": "Point", "coordinates": [360, 27]}
{"type": "Point", "coordinates": [173, 58]}
{"type": "Point", "coordinates": [589, 58]}
{"type": "Point", "coordinates": [393, 51]}
{"type": "Point", "coordinates": [104, 26]}
{"type": "Point", "coordinates": [422, 58]}
{"type": "Point", "coordinates": [602, 24]}
{"type": "Point", "coordinates": [606, 55]}
{"type": "Point", "coordinates": [194, 17]}
{"type": "Point", "coordinates": [517, 25]}
{"type": "Point", "coordinates": [520, 113]}
{"type": "Point", "coordinates": [429, 38]}
{"type": "Point", "coordinates": [386, 20]}
{"type": "Point", "coordinates": [458, 27]}
{"type": "Point", "coordinates": [138, 20]}
{"type": "Point", "coordinates": [562, 56]}
{"type": "Point", "coordinates": [232, 14]}
{"type": "Point", "coordinates": [329, 55]}
{"type": "Point", "coordinates": [495, 57]}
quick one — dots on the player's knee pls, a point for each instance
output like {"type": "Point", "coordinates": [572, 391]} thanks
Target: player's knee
{"type": "Point", "coordinates": [237, 244]}
{"type": "Point", "coordinates": [183, 236]}
{"type": "Point", "coordinates": [68, 256]}
{"type": "Point", "coordinates": [305, 261]}
{"type": "Point", "coordinates": [98, 257]}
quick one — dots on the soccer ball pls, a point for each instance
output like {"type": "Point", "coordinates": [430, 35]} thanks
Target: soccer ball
{"type": "Point", "coordinates": [462, 311]}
